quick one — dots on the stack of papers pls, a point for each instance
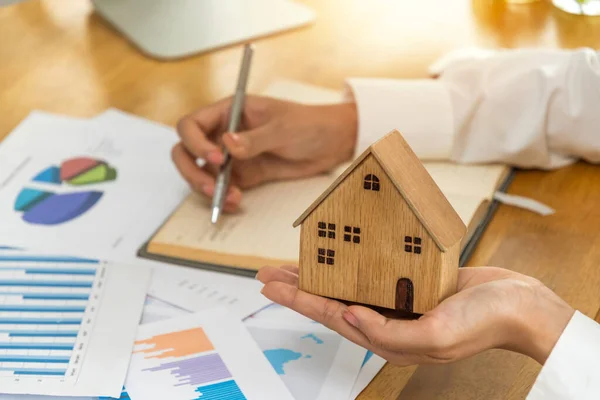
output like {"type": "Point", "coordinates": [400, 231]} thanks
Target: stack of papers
{"type": "Point", "coordinates": [82, 317]}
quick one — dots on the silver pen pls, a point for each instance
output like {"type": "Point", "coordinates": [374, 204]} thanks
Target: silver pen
{"type": "Point", "coordinates": [237, 108]}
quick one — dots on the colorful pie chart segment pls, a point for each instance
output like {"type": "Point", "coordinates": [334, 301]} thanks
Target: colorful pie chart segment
{"type": "Point", "coordinates": [100, 173]}
{"type": "Point", "coordinates": [49, 175]}
{"type": "Point", "coordinates": [74, 167]}
{"type": "Point", "coordinates": [28, 198]}
{"type": "Point", "coordinates": [45, 207]}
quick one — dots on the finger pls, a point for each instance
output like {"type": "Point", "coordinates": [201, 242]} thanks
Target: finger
{"type": "Point", "coordinates": [234, 194]}
{"type": "Point", "coordinates": [292, 268]}
{"type": "Point", "coordinates": [251, 143]}
{"type": "Point", "coordinates": [201, 181]}
{"type": "Point", "coordinates": [196, 177]}
{"type": "Point", "coordinates": [325, 311]}
{"type": "Point", "coordinates": [392, 335]}
{"type": "Point", "coordinates": [269, 168]}
{"type": "Point", "coordinates": [271, 274]}
{"type": "Point", "coordinates": [196, 129]}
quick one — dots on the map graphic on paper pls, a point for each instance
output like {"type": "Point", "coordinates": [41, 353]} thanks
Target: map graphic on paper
{"type": "Point", "coordinates": [312, 361]}
{"type": "Point", "coordinates": [41, 205]}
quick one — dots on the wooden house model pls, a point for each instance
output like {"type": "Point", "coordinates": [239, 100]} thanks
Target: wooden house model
{"type": "Point", "coordinates": [383, 234]}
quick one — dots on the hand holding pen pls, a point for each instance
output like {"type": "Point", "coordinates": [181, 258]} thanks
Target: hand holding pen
{"type": "Point", "coordinates": [275, 140]}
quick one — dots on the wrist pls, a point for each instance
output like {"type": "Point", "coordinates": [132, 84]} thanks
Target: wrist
{"type": "Point", "coordinates": [348, 130]}
{"type": "Point", "coordinates": [542, 322]}
{"type": "Point", "coordinates": [341, 128]}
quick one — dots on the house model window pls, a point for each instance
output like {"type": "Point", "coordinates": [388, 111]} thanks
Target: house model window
{"type": "Point", "coordinates": [352, 234]}
{"type": "Point", "coordinates": [326, 230]}
{"type": "Point", "coordinates": [412, 244]}
{"type": "Point", "coordinates": [326, 256]}
{"type": "Point", "coordinates": [371, 182]}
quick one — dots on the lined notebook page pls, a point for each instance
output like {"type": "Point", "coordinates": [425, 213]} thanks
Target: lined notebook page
{"type": "Point", "coordinates": [263, 229]}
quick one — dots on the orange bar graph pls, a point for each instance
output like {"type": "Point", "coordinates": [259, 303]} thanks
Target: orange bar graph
{"type": "Point", "coordinates": [176, 344]}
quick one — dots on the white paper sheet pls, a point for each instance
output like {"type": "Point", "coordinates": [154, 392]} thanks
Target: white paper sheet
{"type": "Point", "coordinates": [201, 290]}
{"type": "Point", "coordinates": [201, 356]}
{"type": "Point", "coordinates": [110, 216]}
{"type": "Point", "coordinates": [370, 368]}
{"type": "Point", "coordinates": [314, 362]}
{"type": "Point", "coordinates": [67, 325]}
{"type": "Point", "coordinates": [157, 310]}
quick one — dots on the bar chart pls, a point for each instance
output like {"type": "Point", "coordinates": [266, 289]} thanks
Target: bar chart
{"type": "Point", "coordinates": [55, 323]}
{"type": "Point", "coordinates": [208, 355]}
{"type": "Point", "coordinates": [47, 309]}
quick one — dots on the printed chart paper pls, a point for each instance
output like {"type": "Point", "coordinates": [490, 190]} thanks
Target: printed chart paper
{"type": "Point", "coordinates": [314, 362]}
{"type": "Point", "coordinates": [124, 396]}
{"type": "Point", "coordinates": [371, 366]}
{"type": "Point", "coordinates": [206, 289]}
{"type": "Point", "coordinates": [157, 310]}
{"type": "Point", "coordinates": [203, 356]}
{"type": "Point", "coordinates": [67, 325]}
{"type": "Point", "coordinates": [96, 188]}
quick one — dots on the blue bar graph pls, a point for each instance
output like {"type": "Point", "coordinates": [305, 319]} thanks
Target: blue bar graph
{"type": "Point", "coordinates": [50, 372]}
{"type": "Point", "coordinates": [40, 309]}
{"type": "Point", "coordinates": [47, 259]}
{"type": "Point", "coordinates": [51, 271]}
{"type": "Point", "coordinates": [47, 296]}
{"type": "Point", "coordinates": [43, 301]}
{"type": "Point", "coordinates": [41, 321]}
{"type": "Point", "coordinates": [34, 359]}
{"type": "Point", "coordinates": [32, 371]}
{"type": "Point", "coordinates": [55, 296]}
{"type": "Point", "coordinates": [36, 346]}
{"type": "Point", "coordinates": [52, 334]}
{"type": "Point", "coordinates": [24, 282]}
{"type": "Point", "coordinates": [60, 271]}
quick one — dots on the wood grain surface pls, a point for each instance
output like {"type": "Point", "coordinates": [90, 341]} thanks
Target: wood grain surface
{"type": "Point", "coordinates": [367, 272]}
{"type": "Point", "coordinates": [58, 56]}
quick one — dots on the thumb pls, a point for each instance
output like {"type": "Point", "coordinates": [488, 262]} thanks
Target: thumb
{"type": "Point", "coordinates": [249, 144]}
{"type": "Point", "coordinates": [395, 335]}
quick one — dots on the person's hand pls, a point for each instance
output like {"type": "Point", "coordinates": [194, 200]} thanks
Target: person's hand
{"type": "Point", "coordinates": [277, 140]}
{"type": "Point", "coordinates": [494, 308]}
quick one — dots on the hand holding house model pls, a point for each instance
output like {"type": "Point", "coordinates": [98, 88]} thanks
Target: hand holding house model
{"type": "Point", "coordinates": [383, 234]}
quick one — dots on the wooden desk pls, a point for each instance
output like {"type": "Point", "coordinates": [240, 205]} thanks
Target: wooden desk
{"type": "Point", "coordinates": [59, 57]}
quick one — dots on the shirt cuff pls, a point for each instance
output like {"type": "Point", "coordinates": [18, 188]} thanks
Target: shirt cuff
{"type": "Point", "coordinates": [572, 371]}
{"type": "Point", "coordinates": [421, 110]}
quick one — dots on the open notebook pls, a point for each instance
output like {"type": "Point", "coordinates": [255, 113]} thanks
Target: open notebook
{"type": "Point", "coordinates": [262, 233]}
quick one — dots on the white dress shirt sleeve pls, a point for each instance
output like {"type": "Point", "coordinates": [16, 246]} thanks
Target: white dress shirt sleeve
{"type": "Point", "coordinates": [572, 371]}
{"type": "Point", "coordinates": [528, 108]}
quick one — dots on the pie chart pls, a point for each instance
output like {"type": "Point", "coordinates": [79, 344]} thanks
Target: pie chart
{"type": "Point", "coordinates": [46, 207]}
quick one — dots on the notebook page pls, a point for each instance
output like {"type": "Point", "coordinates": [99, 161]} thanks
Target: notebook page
{"type": "Point", "coordinates": [263, 228]}
{"type": "Point", "coordinates": [480, 181]}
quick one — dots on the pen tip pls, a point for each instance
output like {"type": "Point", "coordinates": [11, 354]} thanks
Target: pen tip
{"type": "Point", "coordinates": [215, 215]}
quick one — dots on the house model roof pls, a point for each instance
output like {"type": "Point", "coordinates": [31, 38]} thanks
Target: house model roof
{"type": "Point", "coordinates": [414, 183]}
